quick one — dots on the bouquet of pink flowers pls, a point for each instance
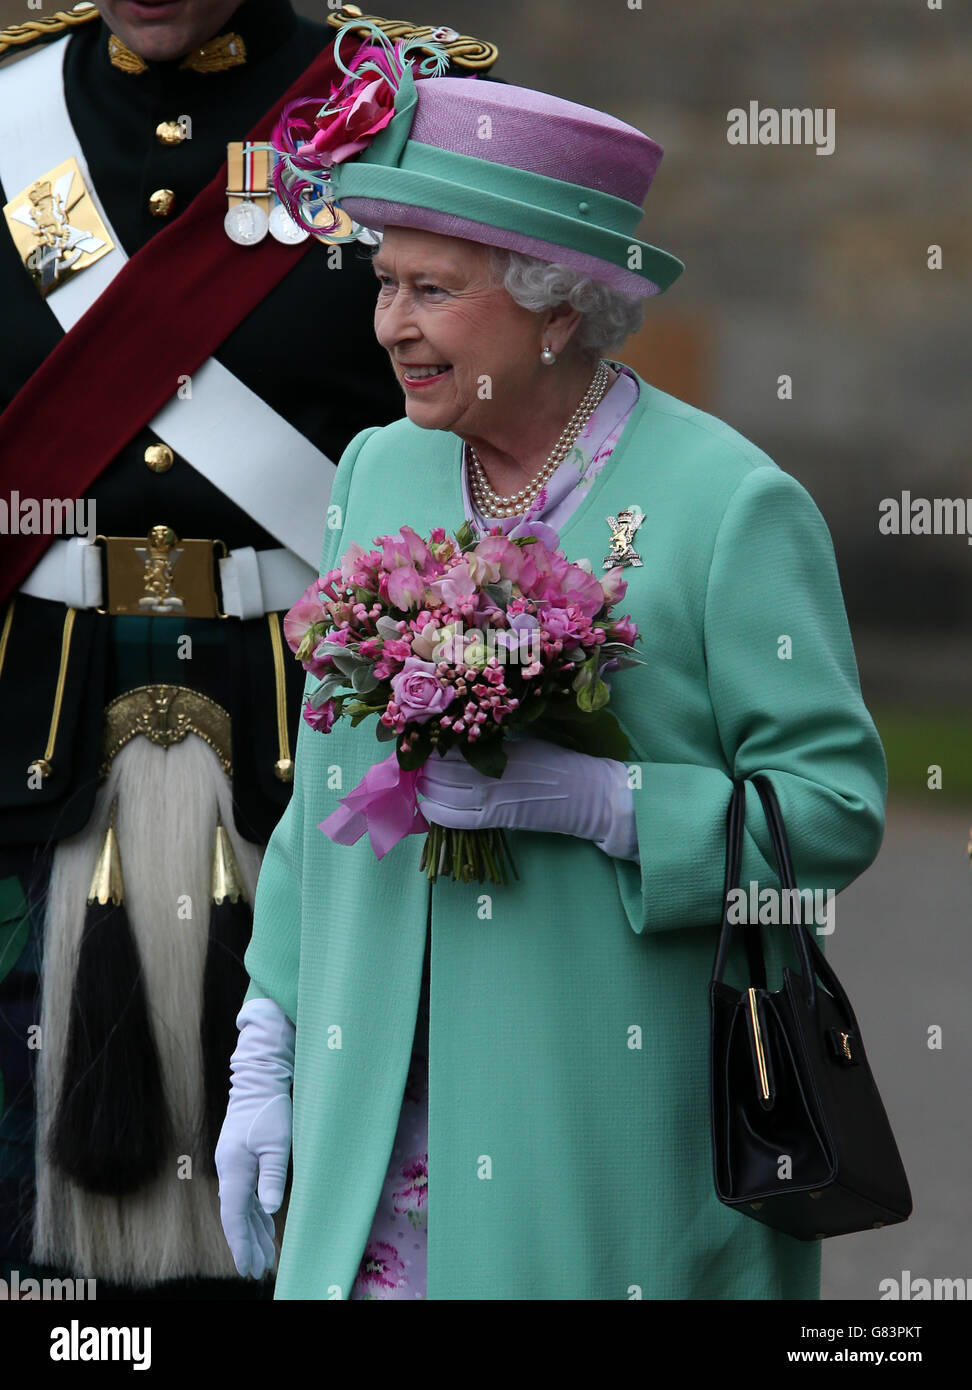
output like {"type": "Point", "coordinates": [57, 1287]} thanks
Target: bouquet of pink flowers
{"type": "Point", "coordinates": [458, 643]}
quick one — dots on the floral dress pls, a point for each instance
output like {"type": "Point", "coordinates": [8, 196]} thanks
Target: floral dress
{"type": "Point", "coordinates": [394, 1262]}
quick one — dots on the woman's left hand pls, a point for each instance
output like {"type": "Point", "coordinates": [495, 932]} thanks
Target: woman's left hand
{"type": "Point", "coordinates": [543, 787]}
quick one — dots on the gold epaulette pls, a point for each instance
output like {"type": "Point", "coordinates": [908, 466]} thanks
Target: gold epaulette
{"type": "Point", "coordinates": [19, 36]}
{"type": "Point", "coordinates": [463, 51]}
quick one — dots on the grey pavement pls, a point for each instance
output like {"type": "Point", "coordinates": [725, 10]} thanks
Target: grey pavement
{"type": "Point", "coordinates": [902, 947]}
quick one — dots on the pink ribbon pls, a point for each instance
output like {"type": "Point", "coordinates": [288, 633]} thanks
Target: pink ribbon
{"type": "Point", "coordinates": [384, 803]}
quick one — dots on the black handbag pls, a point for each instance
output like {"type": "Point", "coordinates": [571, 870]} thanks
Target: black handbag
{"type": "Point", "coordinates": [789, 1079]}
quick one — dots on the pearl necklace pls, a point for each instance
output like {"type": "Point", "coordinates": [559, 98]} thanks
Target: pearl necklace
{"type": "Point", "coordinates": [490, 503]}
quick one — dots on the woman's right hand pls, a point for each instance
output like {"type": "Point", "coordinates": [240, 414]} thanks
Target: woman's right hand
{"type": "Point", "coordinates": [254, 1143]}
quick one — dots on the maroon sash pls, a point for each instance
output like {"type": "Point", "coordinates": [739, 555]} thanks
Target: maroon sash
{"type": "Point", "coordinates": [112, 373]}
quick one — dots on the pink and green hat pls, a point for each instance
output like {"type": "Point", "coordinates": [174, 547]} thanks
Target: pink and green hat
{"type": "Point", "coordinates": [397, 145]}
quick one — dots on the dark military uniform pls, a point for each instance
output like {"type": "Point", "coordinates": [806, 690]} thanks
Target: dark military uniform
{"type": "Point", "coordinates": [308, 350]}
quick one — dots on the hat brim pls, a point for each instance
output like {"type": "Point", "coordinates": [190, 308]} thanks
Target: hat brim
{"type": "Point", "coordinates": [378, 213]}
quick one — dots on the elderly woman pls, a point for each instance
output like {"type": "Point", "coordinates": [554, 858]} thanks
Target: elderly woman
{"type": "Point", "coordinates": [559, 1023]}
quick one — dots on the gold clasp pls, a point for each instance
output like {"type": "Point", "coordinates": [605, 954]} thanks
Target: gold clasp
{"type": "Point", "coordinates": [758, 1039]}
{"type": "Point", "coordinates": [160, 576]}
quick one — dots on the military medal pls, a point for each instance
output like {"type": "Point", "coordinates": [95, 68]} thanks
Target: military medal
{"type": "Point", "coordinates": [337, 222]}
{"type": "Point", "coordinates": [284, 229]}
{"type": "Point", "coordinates": [623, 527]}
{"type": "Point", "coordinates": [56, 227]}
{"type": "Point", "coordinates": [247, 221]}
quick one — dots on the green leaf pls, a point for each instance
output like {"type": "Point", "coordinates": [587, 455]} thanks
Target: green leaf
{"type": "Point", "coordinates": [487, 756]}
{"type": "Point", "coordinates": [585, 674]}
{"type": "Point", "coordinates": [363, 679]}
{"type": "Point", "coordinates": [597, 733]}
{"type": "Point", "coordinates": [327, 690]}
{"type": "Point", "coordinates": [345, 661]}
{"type": "Point", "coordinates": [358, 710]}
{"type": "Point", "coordinates": [501, 592]}
{"type": "Point", "coordinates": [620, 650]}
{"type": "Point", "coordinates": [466, 536]}
{"type": "Point", "coordinates": [417, 752]}
{"type": "Point", "coordinates": [531, 709]}
{"type": "Point", "coordinates": [383, 733]}
{"type": "Point", "coordinates": [600, 693]}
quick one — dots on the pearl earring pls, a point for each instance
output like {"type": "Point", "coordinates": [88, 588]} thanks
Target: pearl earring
{"type": "Point", "coordinates": [548, 357]}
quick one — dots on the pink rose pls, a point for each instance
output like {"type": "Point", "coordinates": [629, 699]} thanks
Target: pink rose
{"type": "Point", "coordinates": [625, 630]}
{"type": "Point", "coordinates": [394, 654]}
{"type": "Point", "coordinates": [567, 625]}
{"type": "Point", "coordinates": [367, 108]}
{"type": "Point", "coordinates": [419, 694]}
{"type": "Point", "coordinates": [321, 718]}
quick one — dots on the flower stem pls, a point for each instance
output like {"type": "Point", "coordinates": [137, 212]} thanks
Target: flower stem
{"type": "Point", "coordinates": [467, 855]}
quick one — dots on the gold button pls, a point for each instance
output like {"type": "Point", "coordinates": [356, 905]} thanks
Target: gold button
{"type": "Point", "coordinates": [160, 203]}
{"type": "Point", "coordinates": [159, 458]}
{"type": "Point", "coordinates": [170, 132]}
{"type": "Point", "coordinates": [284, 769]}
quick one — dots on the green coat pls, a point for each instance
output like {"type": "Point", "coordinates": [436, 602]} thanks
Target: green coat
{"type": "Point", "coordinates": [566, 1160]}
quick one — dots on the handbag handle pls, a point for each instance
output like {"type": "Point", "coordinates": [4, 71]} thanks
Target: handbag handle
{"type": "Point", "coordinates": [802, 941]}
{"type": "Point", "coordinates": [821, 964]}
{"type": "Point", "coordinates": [734, 834]}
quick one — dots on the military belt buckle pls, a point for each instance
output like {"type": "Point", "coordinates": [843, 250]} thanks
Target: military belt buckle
{"type": "Point", "coordinates": [161, 576]}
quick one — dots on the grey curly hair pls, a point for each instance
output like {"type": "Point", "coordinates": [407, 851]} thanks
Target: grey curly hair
{"type": "Point", "coordinates": [609, 315]}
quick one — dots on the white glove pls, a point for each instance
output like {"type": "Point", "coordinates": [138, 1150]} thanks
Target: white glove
{"type": "Point", "coordinates": [543, 787]}
{"type": "Point", "coordinates": [254, 1143]}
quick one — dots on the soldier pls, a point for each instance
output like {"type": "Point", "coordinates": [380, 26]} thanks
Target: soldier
{"type": "Point", "coordinates": [165, 389]}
